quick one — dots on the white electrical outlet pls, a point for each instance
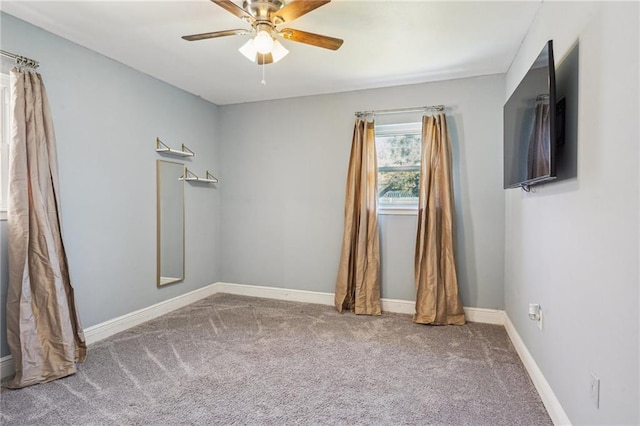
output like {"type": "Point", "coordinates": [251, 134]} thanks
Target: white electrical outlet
{"type": "Point", "coordinates": [594, 390]}
{"type": "Point", "coordinates": [535, 314]}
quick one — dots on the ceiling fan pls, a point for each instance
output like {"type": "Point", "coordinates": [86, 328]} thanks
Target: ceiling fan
{"type": "Point", "coordinates": [265, 16]}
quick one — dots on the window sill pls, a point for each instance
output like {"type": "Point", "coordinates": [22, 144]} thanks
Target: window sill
{"type": "Point", "coordinates": [400, 211]}
{"type": "Point", "coordinates": [3, 215]}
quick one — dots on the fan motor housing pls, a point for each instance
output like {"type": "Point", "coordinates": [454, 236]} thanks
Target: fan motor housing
{"type": "Point", "coordinates": [262, 9]}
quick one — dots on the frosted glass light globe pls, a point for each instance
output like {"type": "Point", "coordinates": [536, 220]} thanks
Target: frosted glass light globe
{"type": "Point", "coordinates": [263, 42]}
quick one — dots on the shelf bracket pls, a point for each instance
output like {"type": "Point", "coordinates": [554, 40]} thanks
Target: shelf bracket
{"type": "Point", "coordinates": [189, 176]}
{"type": "Point", "coordinates": [163, 148]}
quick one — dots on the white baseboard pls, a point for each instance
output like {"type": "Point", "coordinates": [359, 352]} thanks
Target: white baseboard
{"type": "Point", "coordinates": [551, 403]}
{"type": "Point", "coordinates": [484, 315]}
{"type": "Point", "coordinates": [276, 293]}
{"type": "Point", "coordinates": [108, 328]}
{"type": "Point", "coordinates": [6, 366]}
{"type": "Point", "coordinates": [488, 316]}
{"type": "Point", "coordinates": [398, 306]}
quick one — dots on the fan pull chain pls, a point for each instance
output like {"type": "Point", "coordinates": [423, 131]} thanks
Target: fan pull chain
{"type": "Point", "coordinates": [264, 81]}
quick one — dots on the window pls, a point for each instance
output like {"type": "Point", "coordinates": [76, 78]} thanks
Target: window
{"type": "Point", "coordinates": [5, 129]}
{"type": "Point", "coordinates": [398, 148]}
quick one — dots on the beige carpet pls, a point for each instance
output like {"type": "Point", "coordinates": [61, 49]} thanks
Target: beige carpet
{"type": "Point", "coordinates": [238, 360]}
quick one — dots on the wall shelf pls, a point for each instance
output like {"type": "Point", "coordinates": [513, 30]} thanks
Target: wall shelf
{"type": "Point", "coordinates": [189, 176]}
{"type": "Point", "coordinates": [163, 148]}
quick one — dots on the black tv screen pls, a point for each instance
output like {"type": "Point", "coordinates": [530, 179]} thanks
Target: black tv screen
{"type": "Point", "coordinates": [529, 126]}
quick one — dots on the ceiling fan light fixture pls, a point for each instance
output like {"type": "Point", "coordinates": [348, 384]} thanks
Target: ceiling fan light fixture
{"type": "Point", "coordinates": [263, 42]}
{"type": "Point", "coordinates": [249, 50]}
{"type": "Point", "coordinates": [279, 51]}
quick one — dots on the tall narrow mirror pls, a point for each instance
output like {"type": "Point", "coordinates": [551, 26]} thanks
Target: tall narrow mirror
{"type": "Point", "coordinates": [170, 196]}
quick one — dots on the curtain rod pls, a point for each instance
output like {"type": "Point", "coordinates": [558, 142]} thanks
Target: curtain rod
{"type": "Point", "coordinates": [400, 110]}
{"type": "Point", "coordinates": [20, 60]}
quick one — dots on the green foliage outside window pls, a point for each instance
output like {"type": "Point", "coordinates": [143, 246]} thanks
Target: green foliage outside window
{"type": "Point", "coordinates": [398, 168]}
{"type": "Point", "coordinates": [398, 184]}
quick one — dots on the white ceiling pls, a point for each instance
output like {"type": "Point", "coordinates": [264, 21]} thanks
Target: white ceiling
{"type": "Point", "coordinates": [386, 42]}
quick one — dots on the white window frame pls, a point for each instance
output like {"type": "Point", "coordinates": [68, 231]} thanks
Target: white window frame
{"type": "Point", "coordinates": [398, 129]}
{"type": "Point", "coordinates": [5, 135]}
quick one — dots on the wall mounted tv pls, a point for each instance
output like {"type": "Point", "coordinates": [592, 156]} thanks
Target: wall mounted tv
{"type": "Point", "coordinates": [531, 131]}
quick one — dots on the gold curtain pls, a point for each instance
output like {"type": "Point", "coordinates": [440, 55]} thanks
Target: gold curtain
{"type": "Point", "coordinates": [43, 331]}
{"type": "Point", "coordinates": [437, 300]}
{"type": "Point", "coordinates": [358, 282]}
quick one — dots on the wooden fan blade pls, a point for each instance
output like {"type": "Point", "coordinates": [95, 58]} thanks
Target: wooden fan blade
{"type": "Point", "coordinates": [203, 36]}
{"type": "Point", "coordinates": [312, 39]}
{"type": "Point", "coordinates": [296, 9]}
{"type": "Point", "coordinates": [264, 58]}
{"type": "Point", "coordinates": [231, 7]}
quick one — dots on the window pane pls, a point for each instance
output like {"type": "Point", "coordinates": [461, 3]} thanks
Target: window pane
{"type": "Point", "coordinates": [398, 187]}
{"type": "Point", "coordinates": [398, 150]}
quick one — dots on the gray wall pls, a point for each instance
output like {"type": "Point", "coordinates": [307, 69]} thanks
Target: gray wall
{"type": "Point", "coordinates": [107, 117]}
{"type": "Point", "coordinates": [284, 169]}
{"type": "Point", "coordinates": [572, 246]}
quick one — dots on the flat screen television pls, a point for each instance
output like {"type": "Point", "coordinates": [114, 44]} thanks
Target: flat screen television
{"type": "Point", "coordinates": [530, 134]}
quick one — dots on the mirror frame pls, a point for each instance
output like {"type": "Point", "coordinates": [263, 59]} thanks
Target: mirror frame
{"type": "Point", "coordinates": [159, 281]}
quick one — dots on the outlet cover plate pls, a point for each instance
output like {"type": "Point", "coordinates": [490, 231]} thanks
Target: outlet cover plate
{"type": "Point", "coordinates": [539, 322]}
{"type": "Point", "coordinates": [540, 319]}
{"type": "Point", "coordinates": [594, 390]}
